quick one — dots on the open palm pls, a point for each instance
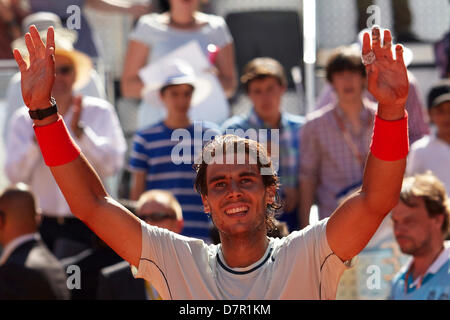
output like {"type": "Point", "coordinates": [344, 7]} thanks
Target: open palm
{"type": "Point", "coordinates": [38, 77]}
{"type": "Point", "coordinates": [387, 78]}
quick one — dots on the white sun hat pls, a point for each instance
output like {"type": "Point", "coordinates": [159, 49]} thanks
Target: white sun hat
{"type": "Point", "coordinates": [176, 72]}
{"type": "Point", "coordinates": [169, 72]}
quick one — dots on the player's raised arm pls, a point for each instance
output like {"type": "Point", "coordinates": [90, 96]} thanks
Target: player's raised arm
{"type": "Point", "coordinates": [353, 224]}
{"type": "Point", "coordinates": [76, 178]}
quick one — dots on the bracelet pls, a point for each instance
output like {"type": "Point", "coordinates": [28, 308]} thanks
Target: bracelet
{"type": "Point", "coordinates": [57, 146]}
{"type": "Point", "coordinates": [390, 140]}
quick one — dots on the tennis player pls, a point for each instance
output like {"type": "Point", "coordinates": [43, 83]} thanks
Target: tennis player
{"type": "Point", "coordinates": [239, 196]}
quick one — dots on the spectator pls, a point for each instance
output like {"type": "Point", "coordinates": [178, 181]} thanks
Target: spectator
{"type": "Point", "coordinates": [158, 208]}
{"type": "Point", "coordinates": [335, 139]}
{"type": "Point", "coordinates": [374, 268]}
{"type": "Point", "coordinates": [156, 35]}
{"type": "Point", "coordinates": [94, 125]}
{"type": "Point", "coordinates": [417, 121]}
{"type": "Point", "coordinates": [89, 84]}
{"type": "Point", "coordinates": [265, 81]}
{"type": "Point", "coordinates": [155, 162]}
{"type": "Point", "coordinates": [421, 223]}
{"type": "Point", "coordinates": [71, 12]}
{"type": "Point", "coordinates": [442, 55]}
{"type": "Point", "coordinates": [28, 270]}
{"type": "Point", "coordinates": [90, 262]}
{"type": "Point", "coordinates": [11, 14]}
{"type": "Point", "coordinates": [432, 152]}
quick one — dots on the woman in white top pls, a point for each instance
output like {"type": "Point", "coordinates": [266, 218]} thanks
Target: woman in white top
{"type": "Point", "coordinates": [156, 35]}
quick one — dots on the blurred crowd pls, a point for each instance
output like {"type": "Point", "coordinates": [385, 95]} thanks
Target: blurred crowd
{"type": "Point", "coordinates": [180, 72]}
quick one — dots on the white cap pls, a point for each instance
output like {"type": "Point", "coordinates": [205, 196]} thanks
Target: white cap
{"type": "Point", "coordinates": [173, 72]}
{"type": "Point", "coordinates": [177, 72]}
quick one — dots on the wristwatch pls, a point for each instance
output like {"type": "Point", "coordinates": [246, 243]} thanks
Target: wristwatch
{"type": "Point", "coordinates": [40, 114]}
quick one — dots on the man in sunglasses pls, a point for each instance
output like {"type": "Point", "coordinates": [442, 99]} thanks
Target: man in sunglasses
{"type": "Point", "coordinates": [92, 122]}
{"type": "Point", "coordinates": [158, 208]}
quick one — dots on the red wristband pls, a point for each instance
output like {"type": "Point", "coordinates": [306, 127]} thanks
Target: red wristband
{"type": "Point", "coordinates": [390, 140]}
{"type": "Point", "coordinates": [57, 146]}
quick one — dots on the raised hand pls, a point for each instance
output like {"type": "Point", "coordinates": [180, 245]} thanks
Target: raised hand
{"type": "Point", "coordinates": [387, 78]}
{"type": "Point", "coordinates": [38, 77]}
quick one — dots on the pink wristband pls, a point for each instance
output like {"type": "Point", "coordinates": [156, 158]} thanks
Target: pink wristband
{"type": "Point", "coordinates": [57, 146]}
{"type": "Point", "coordinates": [390, 140]}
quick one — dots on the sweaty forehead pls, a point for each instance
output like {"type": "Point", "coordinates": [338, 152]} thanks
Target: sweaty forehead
{"type": "Point", "coordinates": [216, 170]}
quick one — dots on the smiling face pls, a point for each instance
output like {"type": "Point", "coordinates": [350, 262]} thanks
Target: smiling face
{"type": "Point", "coordinates": [237, 199]}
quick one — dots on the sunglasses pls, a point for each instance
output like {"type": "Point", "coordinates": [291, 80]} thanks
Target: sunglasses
{"type": "Point", "coordinates": [64, 70]}
{"type": "Point", "coordinates": [158, 216]}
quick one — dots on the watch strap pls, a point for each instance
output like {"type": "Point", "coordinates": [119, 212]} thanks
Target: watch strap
{"type": "Point", "coordinates": [40, 114]}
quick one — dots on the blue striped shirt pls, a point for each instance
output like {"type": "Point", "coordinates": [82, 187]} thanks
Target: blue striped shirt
{"type": "Point", "coordinates": [167, 156]}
